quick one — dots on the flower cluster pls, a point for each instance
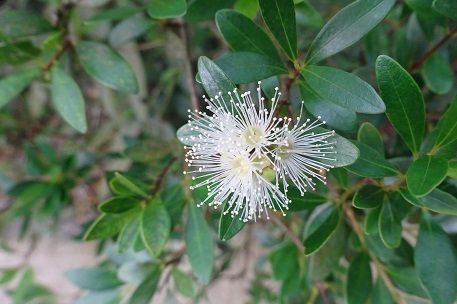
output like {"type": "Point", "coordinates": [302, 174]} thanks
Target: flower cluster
{"type": "Point", "coordinates": [246, 156]}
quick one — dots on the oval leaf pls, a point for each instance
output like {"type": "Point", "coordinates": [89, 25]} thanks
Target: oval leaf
{"type": "Point", "coordinates": [321, 225]}
{"type": "Point", "coordinates": [369, 135]}
{"type": "Point", "coordinates": [155, 226]}
{"type": "Point", "coordinates": [183, 283]}
{"type": "Point", "coordinates": [118, 204]}
{"type": "Point", "coordinates": [145, 291]}
{"type": "Point", "coordinates": [15, 83]}
{"type": "Point", "coordinates": [425, 174]}
{"type": "Point", "coordinates": [306, 201]}
{"type": "Point", "coordinates": [437, 74]}
{"type": "Point", "coordinates": [213, 78]}
{"type": "Point", "coordinates": [128, 30]}
{"type": "Point", "coordinates": [437, 201]}
{"type": "Point", "coordinates": [108, 225]}
{"type": "Point", "coordinates": [446, 130]}
{"type": "Point", "coordinates": [163, 9]}
{"type": "Point", "coordinates": [229, 225]}
{"type": "Point", "coordinates": [369, 196]}
{"type": "Point", "coordinates": [389, 224]}
{"type": "Point", "coordinates": [359, 280]}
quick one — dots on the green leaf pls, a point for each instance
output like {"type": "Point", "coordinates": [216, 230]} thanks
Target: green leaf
{"type": "Point", "coordinates": [307, 200]}
{"type": "Point", "coordinates": [437, 201]}
{"type": "Point", "coordinates": [99, 297]}
{"type": "Point", "coordinates": [18, 52]}
{"type": "Point", "coordinates": [155, 226]}
{"type": "Point", "coordinates": [128, 30]}
{"type": "Point", "coordinates": [128, 234]}
{"type": "Point", "coordinates": [446, 7]}
{"type": "Point", "coordinates": [425, 174]}
{"type": "Point", "coordinates": [406, 279]}
{"type": "Point", "coordinates": [369, 135]}
{"type": "Point", "coordinates": [200, 10]}
{"type": "Point", "coordinates": [436, 261]}
{"type": "Point", "coordinates": [370, 225]}
{"type": "Point", "coordinates": [452, 170]}
{"type": "Point", "coordinates": [108, 225]}
{"type": "Point", "coordinates": [424, 10]}
{"type": "Point", "coordinates": [279, 16]}
{"type": "Point", "coordinates": [106, 66]}
{"type": "Point", "coordinates": [404, 101]}
{"type": "Point", "coordinates": [347, 27]}
{"type": "Point", "coordinates": [199, 244]}
{"type": "Point", "coordinates": [118, 204]}
{"type": "Point", "coordinates": [145, 291]}
{"type": "Point", "coordinates": [242, 34]}
{"type": "Point", "coordinates": [389, 224]}
{"type": "Point", "coordinates": [344, 89]}
{"type": "Point", "coordinates": [284, 260]}
{"type": "Point", "coordinates": [163, 9]}
{"type": "Point", "coordinates": [20, 23]}
{"type": "Point", "coordinates": [370, 163]}
{"type": "Point", "coordinates": [446, 129]}
{"type": "Point", "coordinates": [359, 280]}
{"type": "Point", "coordinates": [346, 152]}
{"type": "Point", "coordinates": [229, 225]}
{"type": "Point", "coordinates": [246, 67]}
{"type": "Point", "coordinates": [437, 74]}
{"type": "Point", "coordinates": [15, 83]}
{"type": "Point", "coordinates": [320, 227]}
{"type": "Point", "coordinates": [183, 283]}
{"type": "Point", "coordinates": [113, 14]}
{"type": "Point", "coordinates": [97, 278]}
{"type": "Point", "coordinates": [213, 78]}
{"type": "Point", "coordinates": [381, 294]}
{"type": "Point", "coordinates": [369, 196]}
{"type": "Point", "coordinates": [308, 15]}
{"type": "Point", "coordinates": [121, 185]}
{"type": "Point", "coordinates": [68, 99]}
{"type": "Point", "coordinates": [333, 114]}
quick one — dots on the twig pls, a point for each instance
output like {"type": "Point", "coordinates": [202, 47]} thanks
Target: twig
{"type": "Point", "coordinates": [418, 63]}
{"type": "Point", "coordinates": [160, 176]}
{"type": "Point", "coordinates": [294, 238]}
{"type": "Point", "coordinates": [65, 45]}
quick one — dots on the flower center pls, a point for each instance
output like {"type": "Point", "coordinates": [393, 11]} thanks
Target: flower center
{"type": "Point", "coordinates": [253, 135]}
{"type": "Point", "coordinates": [241, 166]}
{"type": "Point", "coordinates": [285, 151]}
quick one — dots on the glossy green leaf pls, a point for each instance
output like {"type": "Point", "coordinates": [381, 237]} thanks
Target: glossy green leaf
{"type": "Point", "coordinates": [320, 227]}
{"type": "Point", "coordinates": [129, 234]}
{"type": "Point", "coordinates": [68, 99]}
{"type": "Point", "coordinates": [121, 185]}
{"type": "Point", "coordinates": [106, 66]}
{"type": "Point", "coordinates": [155, 226]}
{"type": "Point", "coordinates": [213, 78]}
{"type": "Point", "coordinates": [346, 152]}
{"type": "Point", "coordinates": [437, 74]}
{"type": "Point", "coordinates": [128, 30]}
{"type": "Point", "coordinates": [389, 224]}
{"type": "Point", "coordinates": [437, 201]}
{"type": "Point", "coordinates": [243, 35]}
{"type": "Point", "coordinates": [12, 85]}
{"type": "Point", "coordinates": [145, 291]}
{"type": "Point", "coordinates": [229, 225]}
{"type": "Point", "coordinates": [404, 101]}
{"type": "Point", "coordinates": [446, 130]}
{"type": "Point", "coordinates": [279, 16]}
{"type": "Point", "coordinates": [21, 23]}
{"type": "Point", "coordinates": [436, 262]}
{"type": "Point", "coordinates": [446, 7]}
{"type": "Point", "coordinates": [344, 89]}
{"type": "Point", "coordinates": [163, 9]}
{"type": "Point", "coordinates": [303, 201]}
{"type": "Point", "coordinates": [118, 204]}
{"type": "Point", "coordinates": [370, 163]}
{"type": "Point", "coordinates": [199, 245]}
{"type": "Point", "coordinates": [359, 280]}
{"type": "Point", "coordinates": [108, 225]}
{"type": "Point", "coordinates": [117, 13]}
{"type": "Point", "coordinates": [246, 67]}
{"type": "Point", "coordinates": [97, 278]}
{"type": "Point", "coordinates": [183, 283]}
{"type": "Point", "coordinates": [347, 27]}
{"type": "Point", "coordinates": [369, 196]}
{"type": "Point", "coordinates": [369, 135]}
{"type": "Point", "coordinates": [425, 174]}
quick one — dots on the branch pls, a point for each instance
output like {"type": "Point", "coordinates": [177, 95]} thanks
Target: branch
{"type": "Point", "coordinates": [160, 176]}
{"type": "Point", "coordinates": [55, 58]}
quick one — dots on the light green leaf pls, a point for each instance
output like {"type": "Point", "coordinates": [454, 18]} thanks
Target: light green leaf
{"type": "Point", "coordinates": [108, 225]}
{"type": "Point", "coordinates": [381, 294]}
{"type": "Point", "coordinates": [284, 260]}
{"type": "Point", "coordinates": [437, 74]}
{"type": "Point", "coordinates": [446, 129]}
{"type": "Point", "coordinates": [247, 7]}
{"type": "Point", "coordinates": [320, 227]}
{"type": "Point", "coordinates": [118, 204]}
{"type": "Point", "coordinates": [344, 89]}
{"type": "Point", "coordinates": [183, 283]}
{"type": "Point", "coordinates": [369, 196]}
{"type": "Point", "coordinates": [117, 13]}
{"type": "Point", "coordinates": [358, 281]}
{"type": "Point", "coordinates": [347, 27]}
{"type": "Point", "coordinates": [213, 78]}
{"type": "Point", "coordinates": [446, 7]}
{"type": "Point", "coordinates": [404, 101]}
{"type": "Point", "coordinates": [406, 279]}
{"type": "Point", "coordinates": [242, 34]}
{"type": "Point", "coordinates": [279, 16]}
{"type": "Point", "coordinates": [452, 170]}
{"type": "Point", "coordinates": [121, 185]}
{"type": "Point", "coordinates": [128, 30]}
{"type": "Point", "coordinates": [106, 66]}
{"type": "Point", "coordinates": [229, 225]}
{"type": "Point", "coordinates": [303, 201]}
{"type": "Point", "coordinates": [145, 291]}
{"type": "Point", "coordinates": [128, 234]}
{"type": "Point", "coordinates": [199, 244]}
{"type": "Point", "coordinates": [21, 23]}
{"type": "Point", "coordinates": [436, 261]}
{"type": "Point", "coordinates": [369, 135]}
{"type": "Point", "coordinates": [12, 85]}
{"type": "Point", "coordinates": [68, 99]}
{"type": "Point", "coordinates": [96, 278]}
{"type": "Point", "coordinates": [425, 174]}
{"type": "Point", "coordinates": [155, 226]}
{"type": "Point", "coordinates": [437, 201]}
{"type": "Point", "coordinates": [246, 67]}
{"type": "Point", "coordinates": [164, 9]}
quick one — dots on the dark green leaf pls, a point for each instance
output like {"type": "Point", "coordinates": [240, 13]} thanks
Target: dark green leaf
{"type": "Point", "coordinates": [163, 9]}
{"type": "Point", "coordinates": [306, 201]}
{"type": "Point", "coordinates": [15, 83]}
{"type": "Point", "coordinates": [18, 52]}
{"type": "Point", "coordinates": [425, 174]}
{"type": "Point", "coordinates": [108, 225]}
{"type": "Point", "coordinates": [155, 226]}
{"type": "Point", "coordinates": [199, 244]}
{"type": "Point", "coordinates": [406, 279]}
{"type": "Point", "coordinates": [404, 101]}
{"type": "Point", "coordinates": [106, 66]}
{"type": "Point", "coordinates": [369, 196]}
{"type": "Point", "coordinates": [389, 224]}
{"type": "Point", "coordinates": [242, 34]}
{"type": "Point", "coordinates": [369, 135]}
{"type": "Point", "coordinates": [246, 67]}
{"type": "Point", "coordinates": [381, 294]}
{"type": "Point", "coordinates": [200, 10]}
{"type": "Point", "coordinates": [424, 10]}
{"type": "Point", "coordinates": [183, 283]}
{"type": "Point", "coordinates": [279, 16]}
{"type": "Point", "coordinates": [344, 89]}
{"type": "Point", "coordinates": [213, 78]}
{"type": "Point", "coordinates": [370, 225]}
{"type": "Point", "coordinates": [118, 204]}
{"type": "Point", "coordinates": [436, 262]}
{"type": "Point", "coordinates": [370, 163]}
{"type": "Point", "coordinates": [128, 30]}
{"type": "Point", "coordinates": [446, 130]}
{"type": "Point", "coordinates": [308, 15]}
{"type": "Point", "coordinates": [117, 13]}
{"type": "Point", "coordinates": [93, 278]}
{"type": "Point", "coordinates": [446, 7]}
{"type": "Point", "coordinates": [68, 99]}
{"type": "Point", "coordinates": [437, 201]}
{"type": "Point", "coordinates": [347, 27]}
{"type": "Point", "coordinates": [358, 281]}
{"type": "Point", "coordinates": [321, 225]}
{"type": "Point", "coordinates": [284, 260]}
{"type": "Point", "coordinates": [21, 23]}
{"type": "Point", "coordinates": [121, 185]}
{"type": "Point", "coordinates": [145, 291]}
{"type": "Point", "coordinates": [452, 170]}
{"type": "Point", "coordinates": [437, 74]}
{"type": "Point", "coordinates": [229, 225]}
{"type": "Point", "coordinates": [128, 234]}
